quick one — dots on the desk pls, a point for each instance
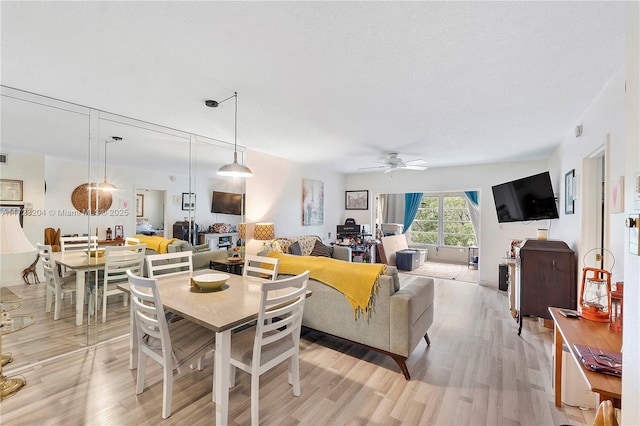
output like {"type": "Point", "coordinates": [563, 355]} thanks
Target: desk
{"type": "Point", "coordinates": [590, 333]}
{"type": "Point", "coordinates": [219, 311]}
{"type": "Point", "coordinates": [78, 261]}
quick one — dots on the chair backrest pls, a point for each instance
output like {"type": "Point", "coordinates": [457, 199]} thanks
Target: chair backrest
{"type": "Point", "coordinates": [48, 265]}
{"type": "Point", "coordinates": [78, 243]}
{"type": "Point", "coordinates": [131, 241]}
{"type": "Point", "coordinates": [180, 262]}
{"type": "Point", "coordinates": [118, 260]}
{"type": "Point", "coordinates": [260, 267]}
{"type": "Point", "coordinates": [280, 315]}
{"type": "Point", "coordinates": [149, 317]}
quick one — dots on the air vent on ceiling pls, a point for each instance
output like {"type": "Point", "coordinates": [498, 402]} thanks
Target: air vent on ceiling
{"type": "Point", "coordinates": [3, 158]}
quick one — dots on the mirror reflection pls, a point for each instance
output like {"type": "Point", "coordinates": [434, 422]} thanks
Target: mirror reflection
{"type": "Point", "coordinates": [165, 180]}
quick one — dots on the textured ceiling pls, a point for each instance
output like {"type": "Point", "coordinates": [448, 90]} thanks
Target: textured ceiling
{"type": "Point", "coordinates": [336, 85]}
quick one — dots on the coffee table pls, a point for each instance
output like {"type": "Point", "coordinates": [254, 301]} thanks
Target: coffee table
{"type": "Point", "coordinates": [232, 267]}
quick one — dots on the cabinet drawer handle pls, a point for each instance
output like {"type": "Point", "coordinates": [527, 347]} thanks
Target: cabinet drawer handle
{"type": "Point", "coordinates": [554, 265]}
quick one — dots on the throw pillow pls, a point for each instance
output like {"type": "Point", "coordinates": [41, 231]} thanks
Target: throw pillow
{"type": "Point", "coordinates": [320, 249]}
{"type": "Point", "coordinates": [295, 249]}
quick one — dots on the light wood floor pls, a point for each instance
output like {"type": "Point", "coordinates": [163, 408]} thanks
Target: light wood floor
{"type": "Point", "coordinates": [477, 371]}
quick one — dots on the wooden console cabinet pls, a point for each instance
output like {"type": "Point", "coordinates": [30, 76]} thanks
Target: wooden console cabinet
{"type": "Point", "coordinates": [546, 276]}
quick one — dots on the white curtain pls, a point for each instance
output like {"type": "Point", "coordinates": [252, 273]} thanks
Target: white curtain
{"type": "Point", "coordinates": [474, 211]}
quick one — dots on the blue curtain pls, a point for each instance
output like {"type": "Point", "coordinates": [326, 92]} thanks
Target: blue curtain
{"type": "Point", "coordinates": [472, 196]}
{"type": "Point", "coordinates": [411, 205]}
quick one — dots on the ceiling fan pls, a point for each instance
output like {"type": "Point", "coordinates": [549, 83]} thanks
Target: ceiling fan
{"type": "Point", "coordinates": [393, 162]}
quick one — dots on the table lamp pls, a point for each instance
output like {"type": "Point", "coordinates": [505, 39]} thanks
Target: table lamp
{"type": "Point", "coordinates": [12, 241]}
{"type": "Point", "coordinates": [264, 232]}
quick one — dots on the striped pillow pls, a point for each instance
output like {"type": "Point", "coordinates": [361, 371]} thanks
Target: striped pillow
{"type": "Point", "coordinates": [320, 249]}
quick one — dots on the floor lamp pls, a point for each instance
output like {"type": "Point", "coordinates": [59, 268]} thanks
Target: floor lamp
{"type": "Point", "coordinates": [12, 241]}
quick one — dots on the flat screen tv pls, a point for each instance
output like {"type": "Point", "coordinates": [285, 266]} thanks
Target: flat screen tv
{"type": "Point", "coordinates": [226, 203]}
{"type": "Point", "coordinates": [526, 199]}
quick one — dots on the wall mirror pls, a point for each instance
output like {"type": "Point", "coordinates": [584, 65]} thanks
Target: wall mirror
{"type": "Point", "coordinates": [54, 146]}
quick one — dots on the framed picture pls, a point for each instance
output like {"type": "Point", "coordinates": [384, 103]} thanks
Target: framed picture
{"type": "Point", "coordinates": [356, 200]}
{"type": "Point", "coordinates": [188, 201]}
{"type": "Point", "coordinates": [15, 209]}
{"type": "Point", "coordinates": [10, 190]}
{"type": "Point", "coordinates": [312, 202]}
{"type": "Point", "coordinates": [568, 192]}
{"type": "Point", "coordinates": [139, 205]}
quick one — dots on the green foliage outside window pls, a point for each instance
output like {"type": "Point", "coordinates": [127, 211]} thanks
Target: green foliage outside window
{"type": "Point", "coordinates": [443, 221]}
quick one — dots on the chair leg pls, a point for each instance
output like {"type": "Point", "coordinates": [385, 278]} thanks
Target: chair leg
{"type": "Point", "coordinates": [56, 306]}
{"type": "Point", "coordinates": [294, 367]}
{"type": "Point", "coordinates": [49, 300]}
{"type": "Point", "coordinates": [255, 396]}
{"type": "Point", "coordinates": [232, 376]}
{"type": "Point", "coordinates": [167, 389]}
{"type": "Point", "coordinates": [104, 304]}
{"type": "Point", "coordinates": [142, 368]}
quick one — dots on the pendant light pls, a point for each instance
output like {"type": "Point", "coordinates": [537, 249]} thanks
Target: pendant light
{"type": "Point", "coordinates": [105, 185]}
{"type": "Point", "coordinates": [234, 169]}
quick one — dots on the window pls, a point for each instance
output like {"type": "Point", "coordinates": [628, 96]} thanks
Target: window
{"type": "Point", "coordinates": [443, 220]}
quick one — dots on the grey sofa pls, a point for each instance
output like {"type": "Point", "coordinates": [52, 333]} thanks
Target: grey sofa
{"type": "Point", "coordinates": [401, 317]}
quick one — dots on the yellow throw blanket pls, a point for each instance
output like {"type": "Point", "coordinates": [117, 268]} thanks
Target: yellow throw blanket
{"type": "Point", "coordinates": [357, 281]}
{"type": "Point", "coordinates": [158, 244]}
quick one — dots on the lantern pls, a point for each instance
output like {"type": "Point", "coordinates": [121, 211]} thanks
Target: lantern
{"type": "Point", "coordinates": [119, 234]}
{"type": "Point", "coordinates": [595, 302]}
{"type": "Point", "coordinates": [615, 316]}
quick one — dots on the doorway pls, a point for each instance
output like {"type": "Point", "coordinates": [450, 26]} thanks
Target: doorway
{"type": "Point", "coordinates": [150, 216]}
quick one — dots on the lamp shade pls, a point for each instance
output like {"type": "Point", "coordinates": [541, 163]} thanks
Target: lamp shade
{"type": "Point", "coordinates": [12, 239]}
{"type": "Point", "coordinates": [242, 231]}
{"type": "Point", "coordinates": [264, 231]}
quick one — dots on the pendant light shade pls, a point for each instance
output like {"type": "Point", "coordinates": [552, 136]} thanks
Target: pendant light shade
{"type": "Point", "coordinates": [234, 169]}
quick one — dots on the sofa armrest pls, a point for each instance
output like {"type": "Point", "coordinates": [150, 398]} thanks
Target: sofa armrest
{"type": "Point", "coordinates": [411, 313]}
{"type": "Point", "coordinates": [341, 253]}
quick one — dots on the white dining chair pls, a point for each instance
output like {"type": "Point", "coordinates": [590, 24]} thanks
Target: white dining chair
{"type": "Point", "coordinates": [57, 286]}
{"type": "Point", "coordinates": [169, 264]}
{"type": "Point", "coordinates": [76, 243]}
{"type": "Point", "coordinates": [168, 344]}
{"type": "Point", "coordinates": [254, 267]}
{"type": "Point", "coordinates": [117, 260]}
{"type": "Point", "coordinates": [131, 241]}
{"type": "Point", "coordinates": [274, 339]}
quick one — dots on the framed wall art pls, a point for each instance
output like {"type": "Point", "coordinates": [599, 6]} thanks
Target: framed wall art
{"type": "Point", "coordinates": [10, 190]}
{"type": "Point", "coordinates": [568, 192]}
{"type": "Point", "coordinates": [356, 200]}
{"type": "Point", "coordinates": [188, 201]}
{"type": "Point", "coordinates": [312, 202]}
{"type": "Point", "coordinates": [139, 205]}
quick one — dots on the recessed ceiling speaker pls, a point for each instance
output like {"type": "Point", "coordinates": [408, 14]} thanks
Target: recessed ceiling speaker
{"type": "Point", "coordinates": [578, 130]}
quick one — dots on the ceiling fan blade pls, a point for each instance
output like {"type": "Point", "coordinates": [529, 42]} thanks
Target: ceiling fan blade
{"type": "Point", "coordinates": [415, 163]}
{"type": "Point", "coordinates": [390, 169]}
{"type": "Point", "coordinates": [415, 168]}
{"type": "Point", "coordinates": [373, 167]}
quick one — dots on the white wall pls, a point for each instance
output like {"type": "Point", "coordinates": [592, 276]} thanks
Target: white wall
{"type": "Point", "coordinates": [274, 194]}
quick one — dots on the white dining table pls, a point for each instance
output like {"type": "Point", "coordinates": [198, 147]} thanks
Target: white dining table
{"type": "Point", "coordinates": [80, 262]}
{"type": "Point", "coordinates": [221, 311]}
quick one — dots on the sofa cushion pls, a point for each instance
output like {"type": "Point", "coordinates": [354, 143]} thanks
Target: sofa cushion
{"type": "Point", "coordinates": [320, 249]}
{"type": "Point", "coordinates": [295, 249]}
{"type": "Point", "coordinates": [200, 248]}
{"type": "Point", "coordinates": [392, 271]}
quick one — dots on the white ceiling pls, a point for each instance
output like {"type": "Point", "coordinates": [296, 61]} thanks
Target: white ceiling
{"type": "Point", "coordinates": [336, 85]}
